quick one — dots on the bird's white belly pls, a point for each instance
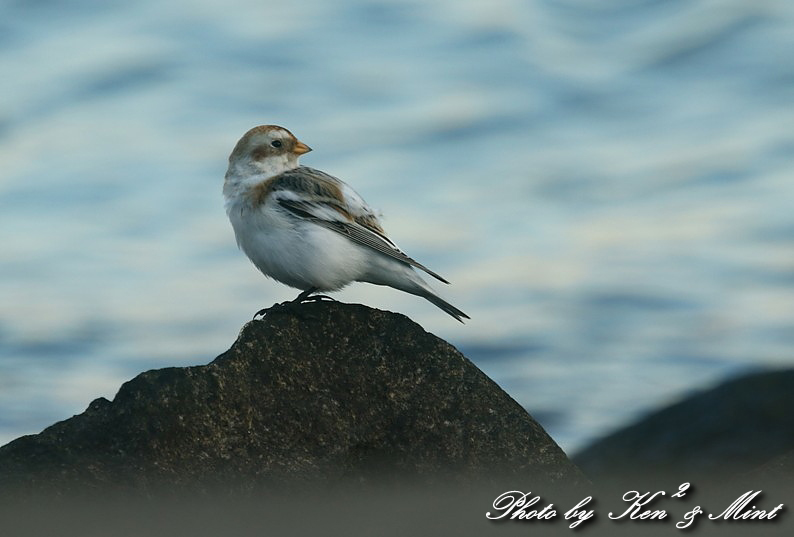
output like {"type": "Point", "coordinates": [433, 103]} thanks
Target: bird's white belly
{"type": "Point", "coordinates": [298, 254]}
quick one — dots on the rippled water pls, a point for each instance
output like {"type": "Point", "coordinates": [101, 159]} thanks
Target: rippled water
{"type": "Point", "coordinates": [608, 185]}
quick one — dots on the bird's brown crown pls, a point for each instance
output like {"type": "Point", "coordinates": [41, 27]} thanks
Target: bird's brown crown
{"type": "Point", "coordinates": [267, 140]}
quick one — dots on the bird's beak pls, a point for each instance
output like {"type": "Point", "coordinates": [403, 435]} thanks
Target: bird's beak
{"type": "Point", "coordinates": [301, 148]}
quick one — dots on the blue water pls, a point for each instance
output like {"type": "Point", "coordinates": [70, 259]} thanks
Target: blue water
{"type": "Point", "coordinates": [608, 185]}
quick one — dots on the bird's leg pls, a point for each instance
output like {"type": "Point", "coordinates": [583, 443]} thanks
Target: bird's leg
{"type": "Point", "coordinates": [307, 296]}
{"type": "Point", "coordinates": [320, 298]}
{"type": "Point", "coordinates": [304, 296]}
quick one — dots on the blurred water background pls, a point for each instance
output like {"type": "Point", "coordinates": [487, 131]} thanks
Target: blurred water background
{"type": "Point", "coordinates": [608, 185]}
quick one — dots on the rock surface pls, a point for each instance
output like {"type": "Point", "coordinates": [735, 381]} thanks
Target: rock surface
{"type": "Point", "coordinates": [320, 392]}
{"type": "Point", "coordinates": [720, 433]}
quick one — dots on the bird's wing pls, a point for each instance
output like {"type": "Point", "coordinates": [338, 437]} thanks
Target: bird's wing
{"type": "Point", "coordinates": [326, 201]}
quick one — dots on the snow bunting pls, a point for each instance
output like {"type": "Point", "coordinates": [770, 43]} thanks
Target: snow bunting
{"type": "Point", "coordinates": [307, 229]}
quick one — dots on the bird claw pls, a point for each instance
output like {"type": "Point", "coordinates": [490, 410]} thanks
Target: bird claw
{"type": "Point", "coordinates": [308, 296]}
{"type": "Point", "coordinates": [318, 298]}
{"type": "Point", "coordinates": [262, 313]}
{"type": "Point", "coordinates": [283, 307]}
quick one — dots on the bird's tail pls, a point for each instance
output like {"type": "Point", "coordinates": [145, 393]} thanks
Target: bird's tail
{"type": "Point", "coordinates": [406, 279]}
{"type": "Point", "coordinates": [444, 305]}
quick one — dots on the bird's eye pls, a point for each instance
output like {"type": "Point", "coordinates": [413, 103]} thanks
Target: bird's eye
{"type": "Point", "coordinates": [276, 143]}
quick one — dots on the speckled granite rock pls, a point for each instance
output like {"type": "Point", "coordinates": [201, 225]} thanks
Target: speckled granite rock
{"type": "Point", "coordinates": [321, 392]}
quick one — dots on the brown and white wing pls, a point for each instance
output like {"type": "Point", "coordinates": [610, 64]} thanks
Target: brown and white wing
{"type": "Point", "coordinates": [326, 201]}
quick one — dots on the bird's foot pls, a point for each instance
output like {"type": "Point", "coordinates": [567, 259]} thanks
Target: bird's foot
{"type": "Point", "coordinates": [278, 307]}
{"type": "Point", "coordinates": [317, 298]}
{"type": "Point", "coordinates": [308, 296]}
{"type": "Point", "coordinates": [304, 296]}
{"type": "Point", "coordinates": [289, 305]}
{"type": "Point", "coordinates": [264, 311]}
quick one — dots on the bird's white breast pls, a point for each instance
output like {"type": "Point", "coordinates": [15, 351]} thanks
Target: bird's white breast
{"type": "Point", "coordinates": [293, 251]}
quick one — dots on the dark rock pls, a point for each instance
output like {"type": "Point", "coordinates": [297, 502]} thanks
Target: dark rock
{"type": "Point", "coordinates": [717, 434]}
{"type": "Point", "coordinates": [321, 392]}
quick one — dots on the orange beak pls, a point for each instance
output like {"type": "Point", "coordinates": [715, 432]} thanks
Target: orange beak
{"type": "Point", "coordinates": [301, 148]}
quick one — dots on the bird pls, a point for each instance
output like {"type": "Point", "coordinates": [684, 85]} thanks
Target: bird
{"type": "Point", "coordinates": [307, 229]}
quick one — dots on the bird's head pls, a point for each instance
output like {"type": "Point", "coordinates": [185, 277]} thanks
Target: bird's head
{"type": "Point", "coordinates": [267, 150]}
